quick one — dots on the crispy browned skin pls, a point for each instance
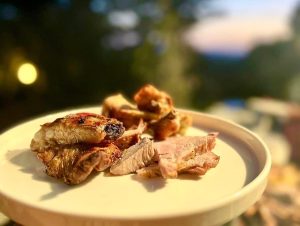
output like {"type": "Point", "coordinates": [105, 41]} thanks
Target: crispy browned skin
{"type": "Point", "coordinates": [167, 126]}
{"type": "Point", "coordinates": [117, 106]}
{"type": "Point", "coordinates": [73, 146]}
{"type": "Point", "coordinates": [77, 128]}
{"type": "Point", "coordinates": [74, 163]}
{"type": "Point", "coordinates": [154, 107]}
{"type": "Point", "coordinates": [109, 155]}
{"type": "Point", "coordinates": [150, 99]}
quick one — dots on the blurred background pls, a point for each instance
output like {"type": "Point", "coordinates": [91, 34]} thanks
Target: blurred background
{"type": "Point", "coordinates": [236, 59]}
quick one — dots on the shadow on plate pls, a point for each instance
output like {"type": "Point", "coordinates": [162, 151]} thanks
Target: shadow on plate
{"type": "Point", "coordinates": [154, 184]}
{"type": "Point", "coordinates": [28, 163]}
{"type": "Point", "coordinates": [189, 177]}
{"type": "Point", "coordinates": [150, 184]}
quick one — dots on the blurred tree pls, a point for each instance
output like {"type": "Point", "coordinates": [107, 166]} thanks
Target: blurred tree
{"type": "Point", "coordinates": [163, 58]}
{"type": "Point", "coordinates": [269, 70]}
{"type": "Point", "coordinates": [66, 43]}
{"type": "Point", "coordinates": [274, 68]}
{"type": "Point", "coordinates": [84, 50]}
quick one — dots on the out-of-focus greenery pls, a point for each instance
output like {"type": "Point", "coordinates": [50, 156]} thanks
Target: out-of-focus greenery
{"type": "Point", "coordinates": [82, 55]}
{"type": "Point", "coordinates": [275, 68]}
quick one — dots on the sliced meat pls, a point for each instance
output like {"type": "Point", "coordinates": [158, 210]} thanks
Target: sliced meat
{"type": "Point", "coordinates": [179, 154]}
{"type": "Point", "coordinates": [198, 143]}
{"type": "Point", "coordinates": [134, 158]}
{"type": "Point", "coordinates": [200, 163]}
{"type": "Point", "coordinates": [77, 128]}
{"type": "Point", "coordinates": [150, 99]}
{"type": "Point", "coordinates": [197, 165]}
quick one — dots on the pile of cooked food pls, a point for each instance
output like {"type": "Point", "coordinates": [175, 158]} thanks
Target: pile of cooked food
{"type": "Point", "coordinates": [145, 137]}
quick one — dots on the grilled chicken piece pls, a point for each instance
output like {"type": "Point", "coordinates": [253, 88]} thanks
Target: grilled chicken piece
{"type": "Point", "coordinates": [154, 107]}
{"type": "Point", "coordinates": [118, 107]}
{"type": "Point", "coordinates": [150, 99]}
{"type": "Point", "coordinates": [77, 128]}
{"type": "Point", "coordinates": [73, 146]}
{"type": "Point", "coordinates": [134, 158]}
{"type": "Point", "coordinates": [184, 154]}
{"type": "Point", "coordinates": [167, 126]}
{"type": "Point", "coordinates": [73, 164]}
{"type": "Point", "coordinates": [70, 148]}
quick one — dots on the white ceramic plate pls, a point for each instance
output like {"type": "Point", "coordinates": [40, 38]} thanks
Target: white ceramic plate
{"type": "Point", "coordinates": [29, 196]}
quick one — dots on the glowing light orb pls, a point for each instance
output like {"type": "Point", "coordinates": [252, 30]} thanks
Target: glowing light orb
{"type": "Point", "coordinates": [27, 74]}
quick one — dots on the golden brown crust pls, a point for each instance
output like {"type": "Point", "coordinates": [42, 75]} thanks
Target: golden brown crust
{"type": "Point", "coordinates": [77, 128]}
{"type": "Point", "coordinates": [150, 99]}
{"type": "Point", "coordinates": [167, 126]}
{"type": "Point", "coordinates": [154, 107]}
